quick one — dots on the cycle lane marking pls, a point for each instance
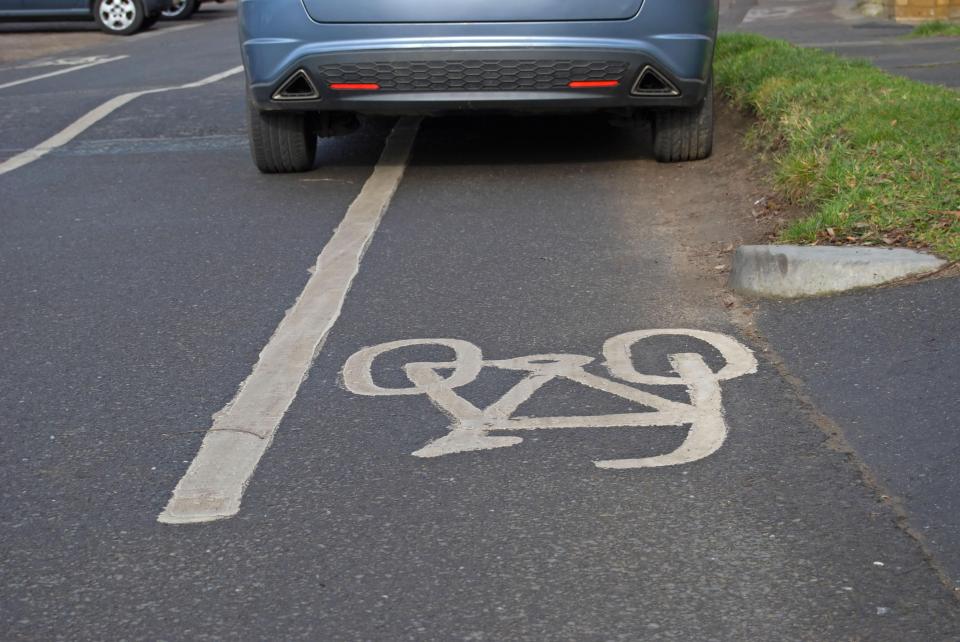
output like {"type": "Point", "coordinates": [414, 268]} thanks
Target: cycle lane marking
{"type": "Point", "coordinates": [471, 426]}
{"type": "Point", "coordinates": [213, 486]}
{"type": "Point", "coordinates": [97, 114]}
{"type": "Point", "coordinates": [69, 67]}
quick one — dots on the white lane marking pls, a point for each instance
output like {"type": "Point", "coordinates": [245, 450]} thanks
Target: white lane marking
{"type": "Point", "coordinates": [888, 42]}
{"type": "Point", "coordinates": [775, 13]}
{"type": "Point", "coordinates": [472, 426]}
{"type": "Point", "coordinates": [94, 116]}
{"type": "Point", "coordinates": [153, 33]}
{"type": "Point", "coordinates": [213, 485]}
{"type": "Point", "coordinates": [59, 62]}
{"type": "Point", "coordinates": [70, 68]}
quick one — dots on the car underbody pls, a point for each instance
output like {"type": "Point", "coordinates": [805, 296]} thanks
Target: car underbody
{"type": "Point", "coordinates": [654, 59]}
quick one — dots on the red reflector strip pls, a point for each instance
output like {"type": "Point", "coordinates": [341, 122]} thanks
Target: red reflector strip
{"type": "Point", "coordinates": [581, 84]}
{"type": "Point", "coordinates": [355, 86]}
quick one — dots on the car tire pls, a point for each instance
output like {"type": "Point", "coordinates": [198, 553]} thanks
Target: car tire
{"type": "Point", "coordinates": [119, 17]}
{"type": "Point", "coordinates": [282, 142]}
{"type": "Point", "coordinates": [684, 134]}
{"type": "Point", "coordinates": [181, 10]}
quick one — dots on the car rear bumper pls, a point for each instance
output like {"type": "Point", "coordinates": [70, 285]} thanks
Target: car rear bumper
{"type": "Point", "coordinates": [429, 81]}
{"type": "Point", "coordinates": [424, 68]}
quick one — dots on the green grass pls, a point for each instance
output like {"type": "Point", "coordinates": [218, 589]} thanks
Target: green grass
{"type": "Point", "coordinates": [875, 158]}
{"type": "Point", "coordinates": [935, 28]}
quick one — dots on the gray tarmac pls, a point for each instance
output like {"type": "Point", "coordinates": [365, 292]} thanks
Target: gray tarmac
{"type": "Point", "coordinates": [836, 27]}
{"type": "Point", "coordinates": [884, 365]}
{"type": "Point", "coordinates": [147, 263]}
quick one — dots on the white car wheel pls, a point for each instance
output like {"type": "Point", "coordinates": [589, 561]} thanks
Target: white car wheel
{"type": "Point", "coordinates": [121, 17]}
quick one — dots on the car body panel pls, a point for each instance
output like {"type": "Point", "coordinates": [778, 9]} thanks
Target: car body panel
{"type": "Point", "coordinates": [421, 11]}
{"type": "Point", "coordinates": [57, 5]}
{"type": "Point", "coordinates": [279, 38]}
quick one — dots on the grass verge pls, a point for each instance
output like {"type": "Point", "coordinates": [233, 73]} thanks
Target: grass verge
{"type": "Point", "coordinates": [935, 28]}
{"type": "Point", "coordinates": [874, 157]}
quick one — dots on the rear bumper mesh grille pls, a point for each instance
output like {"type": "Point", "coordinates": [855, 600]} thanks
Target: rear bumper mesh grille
{"type": "Point", "coordinates": [473, 75]}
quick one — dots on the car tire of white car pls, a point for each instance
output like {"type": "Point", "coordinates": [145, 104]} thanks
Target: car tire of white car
{"type": "Point", "coordinates": [181, 10]}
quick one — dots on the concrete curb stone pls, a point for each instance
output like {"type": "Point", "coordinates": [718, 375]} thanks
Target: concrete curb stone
{"type": "Point", "coordinates": [789, 271]}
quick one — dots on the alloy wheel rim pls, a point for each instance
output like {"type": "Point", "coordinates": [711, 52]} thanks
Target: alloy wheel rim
{"type": "Point", "coordinates": [118, 14]}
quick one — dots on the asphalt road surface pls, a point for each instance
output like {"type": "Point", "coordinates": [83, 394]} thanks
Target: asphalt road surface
{"type": "Point", "coordinates": [149, 271]}
{"type": "Point", "coordinates": [884, 365]}
{"type": "Point", "coordinates": [836, 26]}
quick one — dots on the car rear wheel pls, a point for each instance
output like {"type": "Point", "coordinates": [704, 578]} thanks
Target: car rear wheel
{"type": "Point", "coordinates": [181, 9]}
{"type": "Point", "coordinates": [684, 134]}
{"type": "Point", "coordinates": [282, 142]}
{"type": "Point", "coordinates": [119, 17]}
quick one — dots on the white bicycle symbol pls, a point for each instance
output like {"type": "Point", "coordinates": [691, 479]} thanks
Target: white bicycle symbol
{"type": "Point", "coordinates": [472, 426]}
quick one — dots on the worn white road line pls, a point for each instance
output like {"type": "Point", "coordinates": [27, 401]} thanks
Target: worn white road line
{"type": "Point", "coordinates": [60, 72]}
{"type": "Point", "coordinates": [94, 116]}
{"type": "Point", "coordinates": [886, 42]}
{"type": "Point", "coordinates": [153, 33]}
{"type": "Point", "coordinates": [242, 431]}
